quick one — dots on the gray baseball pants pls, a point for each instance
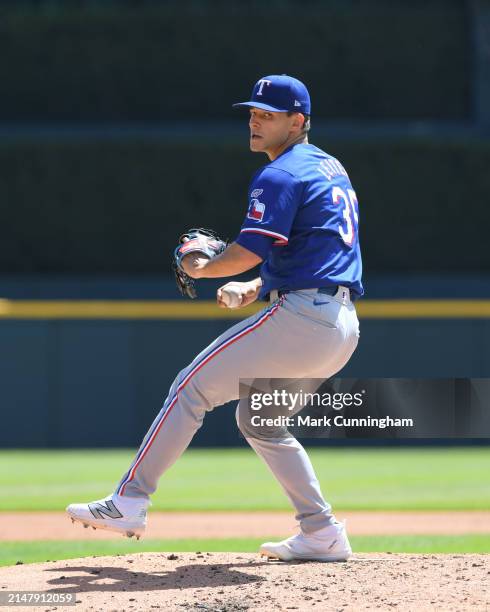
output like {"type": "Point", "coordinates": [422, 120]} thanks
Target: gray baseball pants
{"type": "Point", "coordinates": [302, 334]}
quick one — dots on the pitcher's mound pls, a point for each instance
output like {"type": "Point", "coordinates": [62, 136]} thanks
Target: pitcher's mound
{"type": "Point", "coordinates": [238, 581]}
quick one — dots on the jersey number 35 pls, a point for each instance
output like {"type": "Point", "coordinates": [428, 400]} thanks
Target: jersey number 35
{"type": "Point", "coordinates": [348, 230]}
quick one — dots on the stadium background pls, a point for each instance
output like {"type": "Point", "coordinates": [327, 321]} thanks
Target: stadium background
{"type": "Point", "coordinates": [117, 133]}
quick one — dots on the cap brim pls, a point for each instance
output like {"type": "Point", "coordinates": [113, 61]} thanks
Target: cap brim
{"type": "Point", "coordinates": [261, 106]}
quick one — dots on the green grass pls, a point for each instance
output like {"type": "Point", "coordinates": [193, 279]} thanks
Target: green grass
{"type": "Point", "coordinates": [32, 552]}
{"type": "Point", "coordinates": [351, 479]}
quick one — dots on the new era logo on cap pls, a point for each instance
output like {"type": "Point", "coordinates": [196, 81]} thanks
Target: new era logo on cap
{"type": "Point", "coordinates": [280, 93]}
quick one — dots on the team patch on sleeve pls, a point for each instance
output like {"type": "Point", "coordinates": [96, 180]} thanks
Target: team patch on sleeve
{"type": "Point", "coordinates": [256, 209]}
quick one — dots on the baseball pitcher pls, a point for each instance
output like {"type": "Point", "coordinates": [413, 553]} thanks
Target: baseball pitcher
{"type": "Point", "coordinates": [301, 227]}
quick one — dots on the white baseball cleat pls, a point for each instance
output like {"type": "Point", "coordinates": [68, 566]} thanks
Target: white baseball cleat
{"type": "Point", "coordinates": [126, 515]}
{"type": "Point", "coordinates": [327, 544]}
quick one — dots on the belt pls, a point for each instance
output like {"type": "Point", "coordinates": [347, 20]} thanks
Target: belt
{"type": "Point", "coordinates": [338, 290]}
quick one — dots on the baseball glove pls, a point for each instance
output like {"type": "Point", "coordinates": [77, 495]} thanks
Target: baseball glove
{"type": "Point", "coordinates": [196, 240]}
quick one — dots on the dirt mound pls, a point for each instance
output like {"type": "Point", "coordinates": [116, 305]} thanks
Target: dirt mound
{"type": "Point", "coordinates": [238, 582]}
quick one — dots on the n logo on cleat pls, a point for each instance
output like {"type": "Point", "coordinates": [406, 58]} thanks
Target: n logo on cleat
{"type": "Point", "coordinates": [108, 509]}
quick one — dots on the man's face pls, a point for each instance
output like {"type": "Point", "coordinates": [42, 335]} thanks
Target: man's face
{"type": "Point", "coordinates": [268, 130]}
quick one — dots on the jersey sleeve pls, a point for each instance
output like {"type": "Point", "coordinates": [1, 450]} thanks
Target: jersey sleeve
{"type": "Point", "coordinates": [274, 198]}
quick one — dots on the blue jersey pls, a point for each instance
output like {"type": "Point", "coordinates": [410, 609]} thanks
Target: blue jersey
{"type": "Point", "coordinates": [303, 221]}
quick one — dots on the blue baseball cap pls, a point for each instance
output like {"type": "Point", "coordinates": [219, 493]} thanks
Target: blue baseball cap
{"type": "Point", "coordinates": [280, 93]}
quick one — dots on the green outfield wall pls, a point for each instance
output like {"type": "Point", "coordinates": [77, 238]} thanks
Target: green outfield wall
{"type": "Point", "coordinates": [108, 61]}
{"type": "Point", "coordinates": [116, 207]}
{"type": "Point", "coordinates": [89, 383]}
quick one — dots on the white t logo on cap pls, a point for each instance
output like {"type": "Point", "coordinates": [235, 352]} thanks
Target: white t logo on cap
{"type": "Point", "coordinates": [262, 83]}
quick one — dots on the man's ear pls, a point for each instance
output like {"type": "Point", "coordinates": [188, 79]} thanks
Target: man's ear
{"type": "Point", "coordinates": [299, 121]}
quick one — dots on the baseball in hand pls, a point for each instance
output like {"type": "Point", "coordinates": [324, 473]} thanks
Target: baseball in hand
{"type": "Point", "coordinates": [231, 297]}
